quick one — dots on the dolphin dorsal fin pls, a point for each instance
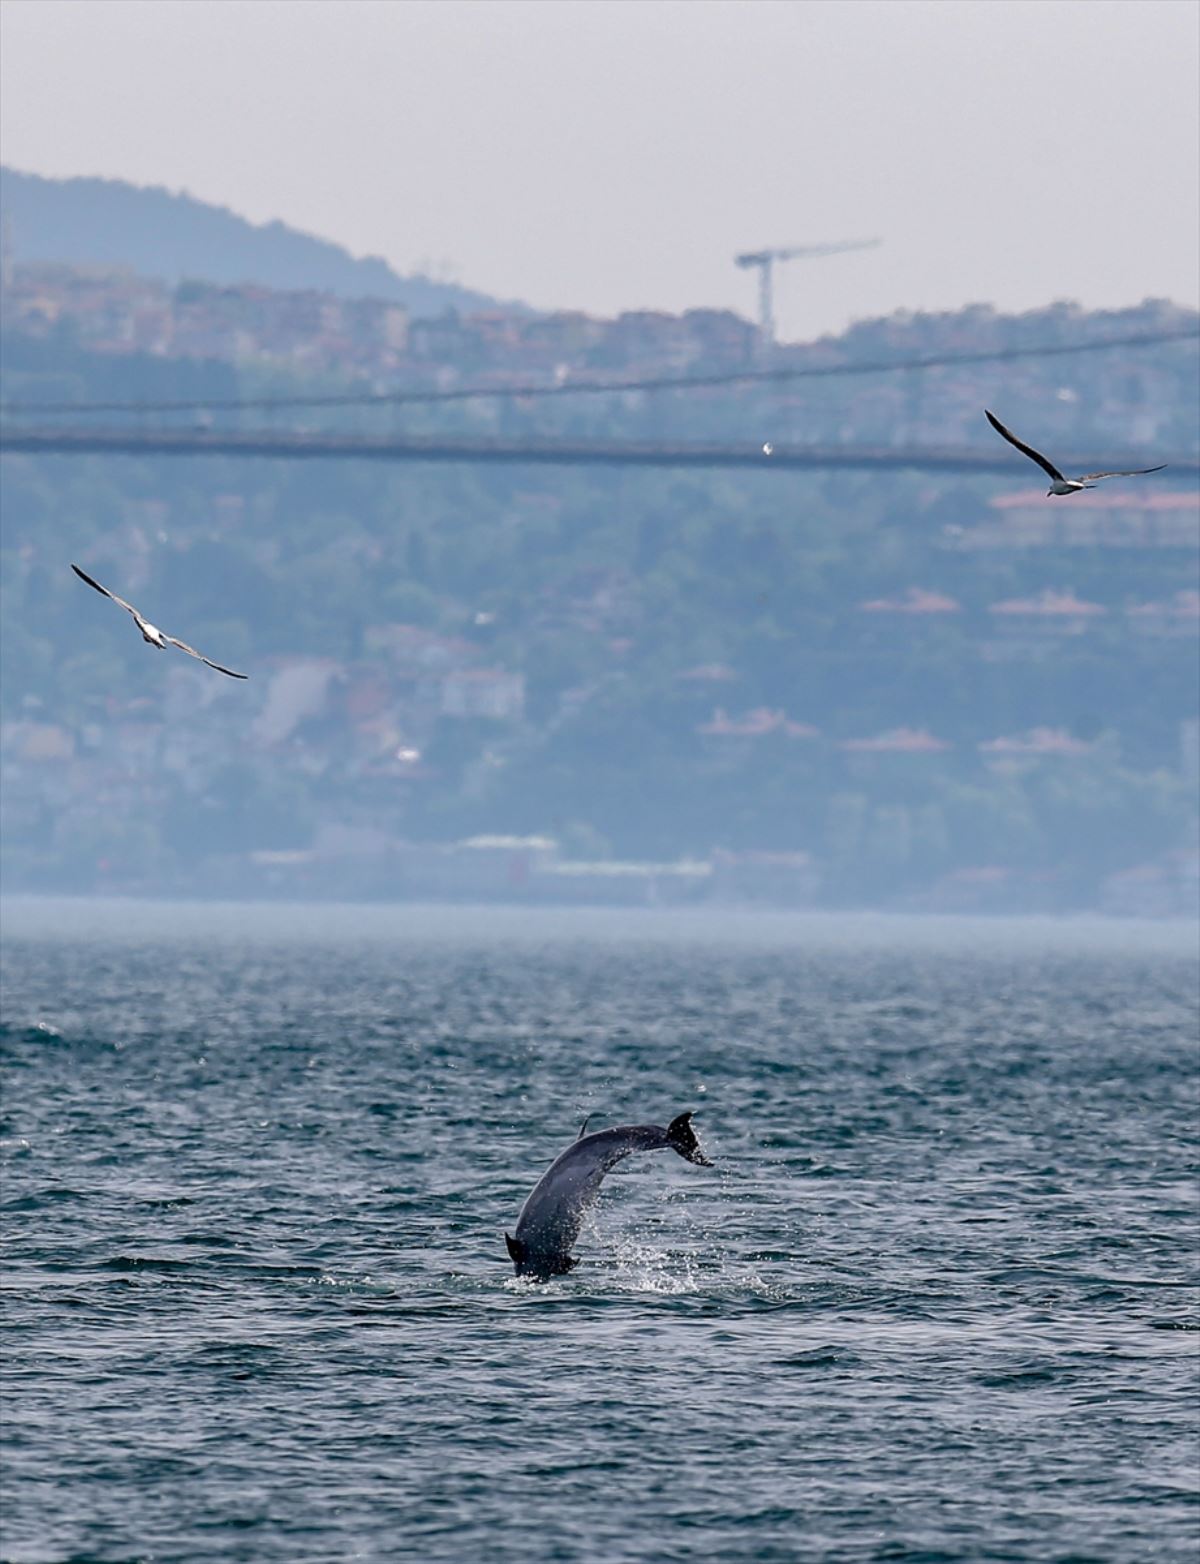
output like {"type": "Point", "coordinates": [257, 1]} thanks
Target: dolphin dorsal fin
{"type": "Point", "coordinates": [583, 1127]}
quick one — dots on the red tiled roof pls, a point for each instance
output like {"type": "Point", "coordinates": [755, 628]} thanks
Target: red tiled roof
{"type": "Point", "coordinates": [716, 673]}
{"type": "Point", "coordinates": [982, 874]}
{"type": "Point", "coordinates": [916, 600]}
{"type": "Point", "coordinates": [1049, 604]}
{"type": "Point", "coordinates": [1038, 741]}
{"type": "Point", "coordinates": [477, 675]}
{"type": "Point", "coordinates": [902, 740]}
{"type": "Point", "coordinates": [1184, 605]}
{"type": "Point", "coordinates": [1103, 499]}
{"type": "Point", "coordinates": [755, 723]}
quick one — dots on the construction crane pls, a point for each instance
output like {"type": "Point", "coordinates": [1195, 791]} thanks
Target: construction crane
{"type": "Point", "coordinates": [765, 261]}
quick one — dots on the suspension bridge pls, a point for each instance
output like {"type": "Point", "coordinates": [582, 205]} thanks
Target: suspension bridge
{"type": "Point", "coordinates": [298, 445]}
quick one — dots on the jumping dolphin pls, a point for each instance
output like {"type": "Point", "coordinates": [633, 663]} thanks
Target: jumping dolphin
{"type": "Point", "coordinates": [1059, 484]}
{"type": "Point", "coordinates": [553, 1214]}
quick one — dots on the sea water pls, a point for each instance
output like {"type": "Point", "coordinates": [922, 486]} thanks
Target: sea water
{"type": "Point", "coordinates": [937, 1299]}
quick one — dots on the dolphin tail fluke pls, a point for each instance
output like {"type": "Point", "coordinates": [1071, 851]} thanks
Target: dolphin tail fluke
{"type": "Point", "coordinates": [681, 1137]}
{"type": "Point", "coordinates": [516, 1249]}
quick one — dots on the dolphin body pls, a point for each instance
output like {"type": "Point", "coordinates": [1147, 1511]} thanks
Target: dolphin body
{"type": "Point", "coordinates": [553, 1214]}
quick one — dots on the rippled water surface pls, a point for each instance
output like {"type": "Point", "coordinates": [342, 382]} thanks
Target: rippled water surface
{"type": "Point", "coordinates": [936, 1301]}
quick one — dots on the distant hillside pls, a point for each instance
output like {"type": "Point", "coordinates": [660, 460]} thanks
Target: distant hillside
{"type": "Point", "coordinates": [910, 689]}
{"type": "Point", "coordinates": [106, 222]}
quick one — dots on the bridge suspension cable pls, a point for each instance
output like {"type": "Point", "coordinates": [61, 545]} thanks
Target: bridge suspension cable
{"type": "Point", "coordinates": [782, 376]}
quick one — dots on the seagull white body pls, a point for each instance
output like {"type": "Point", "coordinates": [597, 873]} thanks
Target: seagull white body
{"type": "Point", "coordinates": [151, 634]}
{"type": "Point", "coordinates": [553, 1214]}
{"type": "Point", "coordinates": [1058, 483]}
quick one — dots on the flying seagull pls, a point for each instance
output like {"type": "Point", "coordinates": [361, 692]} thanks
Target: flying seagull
{"type": "Point", "coordinates": [1059, 484]}
{"type": "Point", "coordinates": [152, 633]}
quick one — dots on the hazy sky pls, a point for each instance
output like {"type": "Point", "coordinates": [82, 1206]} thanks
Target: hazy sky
{"type": "Point", "coordinates": [615, 155]}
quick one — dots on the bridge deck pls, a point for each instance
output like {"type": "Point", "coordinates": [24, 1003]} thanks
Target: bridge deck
{"type": "Point", "coordinates": [616, 453]}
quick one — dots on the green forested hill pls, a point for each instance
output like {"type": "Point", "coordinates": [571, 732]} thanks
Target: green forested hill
{"type": "Point", "coordinates": [174, 236]}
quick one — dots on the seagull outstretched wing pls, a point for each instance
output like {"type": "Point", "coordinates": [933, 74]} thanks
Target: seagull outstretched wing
{"type": "Point", "coordinates": [151, 632]}
{"type": "Point", "coordinates": [192, 652]}
{"type": "Point", "coordinates": [1132, 472]}
{"type": "Point", "coordinates": [128, 607]}
{"type": "Point", "coordinates": [1027, 450]}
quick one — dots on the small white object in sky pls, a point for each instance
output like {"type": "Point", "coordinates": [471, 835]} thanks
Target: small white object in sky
{"type": "Point", "coordinates": [1059, 484]}
{"type": "Point", "coordinates": [151, 633]}
{"type": "Point", "coordinates": [768, 448]}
